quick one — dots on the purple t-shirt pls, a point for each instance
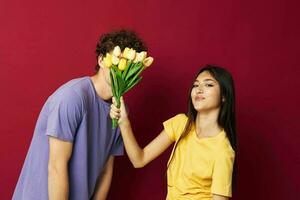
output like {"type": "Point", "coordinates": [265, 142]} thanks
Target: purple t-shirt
{"type": "Point", "coordinates": [73, 113]}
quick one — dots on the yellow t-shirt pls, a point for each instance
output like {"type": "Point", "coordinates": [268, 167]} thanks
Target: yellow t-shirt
{"type": "Point", "coordinates": [200, 167]}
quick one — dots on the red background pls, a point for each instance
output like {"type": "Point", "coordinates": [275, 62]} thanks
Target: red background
{"type": "Point", "coordinates": [43, 44]}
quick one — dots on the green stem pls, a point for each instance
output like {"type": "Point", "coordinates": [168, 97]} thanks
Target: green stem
{"type": "Point", "coordinates": [115, 121]}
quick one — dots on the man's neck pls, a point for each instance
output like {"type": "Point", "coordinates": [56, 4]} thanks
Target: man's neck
{"type": "Point", "coordinates": [102, 87]}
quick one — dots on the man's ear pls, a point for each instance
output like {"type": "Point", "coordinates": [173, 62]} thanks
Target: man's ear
{"type": "Point", "coordinates": [100, 61]}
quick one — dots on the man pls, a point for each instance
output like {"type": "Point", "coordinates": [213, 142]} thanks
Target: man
{"type": "Point", "coordinates": [73, 147]}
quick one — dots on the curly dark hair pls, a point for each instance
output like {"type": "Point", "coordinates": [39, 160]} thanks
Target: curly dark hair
{"type": "Point", "coordinates": [122, 38]}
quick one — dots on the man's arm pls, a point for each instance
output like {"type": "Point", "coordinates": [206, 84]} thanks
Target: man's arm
{"type": "Point", "coordinates": [104, 180]}
{"type": "Point", "coordinates": [58, 181]}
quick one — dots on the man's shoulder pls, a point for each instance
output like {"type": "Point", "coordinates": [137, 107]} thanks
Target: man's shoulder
{"type": "Point", "coordinates": [78, 84]}
{"type": "Point", "coordinates": [72, 91]}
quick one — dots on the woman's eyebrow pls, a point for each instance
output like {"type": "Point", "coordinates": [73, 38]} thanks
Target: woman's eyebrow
{"type": "Point", "coordinates": [208, 79]}
{"type": "Point", "coordinates": [205, 80]}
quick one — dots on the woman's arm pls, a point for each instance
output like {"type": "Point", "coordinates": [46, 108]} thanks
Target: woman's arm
{"type": "Point", "coordinates": [139, 157]}
{"type": "Point", "coordinates": [218, 197]}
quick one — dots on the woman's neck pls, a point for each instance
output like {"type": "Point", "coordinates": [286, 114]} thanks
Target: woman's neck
{"type": "Point", "coordinates": [207, 123]}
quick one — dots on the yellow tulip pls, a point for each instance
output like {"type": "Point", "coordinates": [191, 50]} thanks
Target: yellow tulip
{"type": "Point", "coordinates": [131, 54]}
{"type": "Point", "coordinates": [148, 61]}
{"type": "Point", "coordinates": [117, 51]}
{"type": "Point", "coordinates": [115, 60]}
{"type": "Point", "coordinates": [140, 57]}
{"type": "Point", "coordinates": [107, 60]}
{"type": "Point", "coordinates": [126, 52]}
{"type": "Point", "coordinates": [122, 64]}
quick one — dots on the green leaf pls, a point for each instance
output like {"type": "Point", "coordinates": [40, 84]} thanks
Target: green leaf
{"type": "Point", "coordinates": [115, 84]}
{"type": "Point", "coordinates": [118, 72]}
{"type": "Point", "coordinates": [131, 81]}
{"type": "Point", "coordinates": [138, 73]}
{"type": "Point", "coordinates": [129, 64]}
{"type": "Point", "coordinates": [132, 84]}
{"type": "Point", "coordinates": [121, 85]}
{"type": "Point", "coordinates": [133, 70]}
{"type": "Point", "coordinates": [112, 83]}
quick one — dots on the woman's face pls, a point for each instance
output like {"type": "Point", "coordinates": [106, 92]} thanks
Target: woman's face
{"type": "Point", "coordinates": [205, 92]}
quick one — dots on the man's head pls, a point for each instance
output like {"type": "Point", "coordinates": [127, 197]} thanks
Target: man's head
{"type": "Point", "coordinates": [122, 38]}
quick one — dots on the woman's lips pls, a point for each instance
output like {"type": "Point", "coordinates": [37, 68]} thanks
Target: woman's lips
{"type": "Point", "coordinates": [199, 98]}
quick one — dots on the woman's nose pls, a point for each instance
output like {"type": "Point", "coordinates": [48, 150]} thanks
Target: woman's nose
{"type": "Point", "coordinates": [199, 90]}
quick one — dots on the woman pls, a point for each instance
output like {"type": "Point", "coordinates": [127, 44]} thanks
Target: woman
{"type": "Point", "coordinates": [201, 165]}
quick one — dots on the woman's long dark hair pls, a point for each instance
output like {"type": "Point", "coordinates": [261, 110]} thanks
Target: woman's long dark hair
{"type": "Point", "coordinates": [226, 118]}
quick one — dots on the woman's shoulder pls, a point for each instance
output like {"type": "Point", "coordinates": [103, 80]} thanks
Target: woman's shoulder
{"type": "Point", "coordinates": [175, 125]}
{"type": "Point", "coordinates": [177, 121]}
{"type": "Point", "coordinates": [180, 117]}
{"type": "Point", "coordinates": [227, 149]}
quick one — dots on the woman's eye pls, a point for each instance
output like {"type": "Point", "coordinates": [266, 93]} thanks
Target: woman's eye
{"type": "Point", "coordinates": [195, 85]}
{"type": "Point", "coordinates": [209, 85]}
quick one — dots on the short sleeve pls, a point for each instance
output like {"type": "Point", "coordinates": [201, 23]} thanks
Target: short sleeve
{"type": "Point", "coordinates": [64, 115]}
{"type": "Point", "coordinates": [222, 174]}
{"type": "Point", "coordinates": [118, 146]}
{"type": "Point", "coordinates": [175, 126]}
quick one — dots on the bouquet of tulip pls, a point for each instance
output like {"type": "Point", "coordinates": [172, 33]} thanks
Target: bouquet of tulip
{"type": "Point", "coordinates": [125, 69]}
